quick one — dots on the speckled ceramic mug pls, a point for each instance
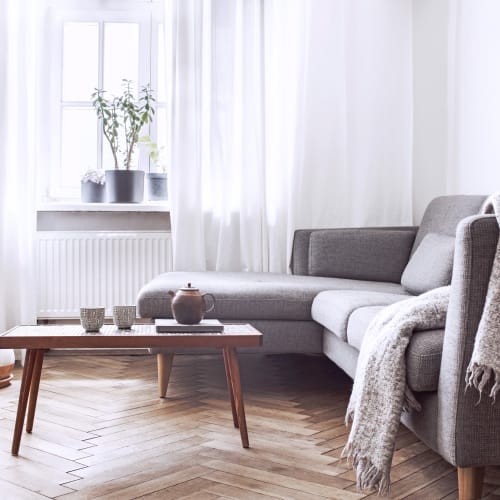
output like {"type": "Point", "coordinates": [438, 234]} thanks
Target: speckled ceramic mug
{"type": "Point", "coordinates": [92, 318]}
{"type": "Point", "coordinates": [123, 316]}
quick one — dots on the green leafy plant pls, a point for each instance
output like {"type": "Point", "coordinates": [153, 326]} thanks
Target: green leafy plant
{"type": "Point", "coordinates": [122, 118]}
{"type": "Point", "coordinates": [154, 152]}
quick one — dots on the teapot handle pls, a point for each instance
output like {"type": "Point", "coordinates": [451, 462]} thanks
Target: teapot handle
{"type": "Point", "coordinates": [205, 302]}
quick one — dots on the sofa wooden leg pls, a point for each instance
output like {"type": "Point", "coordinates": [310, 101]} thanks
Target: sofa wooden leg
{"type": "Point", "coordinates": [470, 482]}
{"type": "Point", "coordinates": [164, 363]}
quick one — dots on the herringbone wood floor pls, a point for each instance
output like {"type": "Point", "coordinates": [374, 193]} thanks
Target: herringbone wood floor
{"type": "Point", "coordinates": [101, 432]}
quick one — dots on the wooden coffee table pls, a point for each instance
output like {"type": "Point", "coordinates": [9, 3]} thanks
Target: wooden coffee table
{"type": "Point", "coordinates": [39, 339]}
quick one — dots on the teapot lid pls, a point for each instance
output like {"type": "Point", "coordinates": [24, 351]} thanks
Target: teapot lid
{"type": "Point", "coordinates": [189, 288]}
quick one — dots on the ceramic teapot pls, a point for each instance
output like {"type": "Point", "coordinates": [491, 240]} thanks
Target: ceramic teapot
{"type": "Point", "coordinates": [189, 305]}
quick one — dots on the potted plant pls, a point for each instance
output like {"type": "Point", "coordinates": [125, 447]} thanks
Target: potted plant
{"type": "Point", "coordinates": [122, 119]}
{"type": "Point", "coordinates": [156, 181]}
{"type": "Point", "coordinates": [93, 187]}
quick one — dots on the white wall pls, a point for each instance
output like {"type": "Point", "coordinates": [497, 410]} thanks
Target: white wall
{"type": "Point", "coordinates": [430, 62]}
{"type": "Point", "coordinates": [456, 78]}
{"type": "Point", "coordinates": [474, 131]}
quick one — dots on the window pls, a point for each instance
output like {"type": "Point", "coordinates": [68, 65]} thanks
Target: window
{"type": "Point", "coordinates": [96, 44]}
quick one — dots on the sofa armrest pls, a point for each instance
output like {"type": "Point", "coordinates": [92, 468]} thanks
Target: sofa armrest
{"type": "Point", "coordinates": [378, 254]}
{"type": "Point", "coordinates": [468, 430]}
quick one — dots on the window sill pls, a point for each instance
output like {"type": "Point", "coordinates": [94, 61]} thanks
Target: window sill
{"type": "Point", "coordinates": [150, 206]}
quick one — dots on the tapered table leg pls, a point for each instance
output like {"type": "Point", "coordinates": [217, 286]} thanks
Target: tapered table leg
{"type": "Point", "coordinates": [234, 369]}
{"type": "Point", "coordinates": [164, 366]}
{"type": "Point", "coordinates": [23, 399]}
{"type": "Point", "coordinates": [227, 367]}
{"type": "Point", "coordinates": [35, 384]}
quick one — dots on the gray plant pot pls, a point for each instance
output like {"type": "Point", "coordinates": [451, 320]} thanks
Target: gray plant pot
{"type": "Point", "coordinates": [92, 192]}
{"type": "Point", "coordinates": [157, 186]}
{"type": "Point", "coordinates": [124, 186]}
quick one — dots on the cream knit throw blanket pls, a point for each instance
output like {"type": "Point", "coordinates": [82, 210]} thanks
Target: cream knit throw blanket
{"type": "Point", "coordinates": [484, 365]}
{"type": "Point", "coordinates": [379, 392]}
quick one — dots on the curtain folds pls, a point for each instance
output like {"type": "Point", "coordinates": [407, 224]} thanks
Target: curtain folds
{"type": "Point", "coordinates": [18, 86]}
{"type": "Point", "coordinates": [473, 97]}
{"type": "Point", "coordinates": [285, 117]}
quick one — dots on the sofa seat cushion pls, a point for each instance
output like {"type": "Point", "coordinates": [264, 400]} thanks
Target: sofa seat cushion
{"type": "Point", "coordinates": [423, 355]}
{"type": "Point", "coordinates": [333, 308]}
{"type": "Point", "coordinates": [246, 295]}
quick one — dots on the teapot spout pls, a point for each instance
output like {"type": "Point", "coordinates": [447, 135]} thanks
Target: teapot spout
{"type": "Point", "coordinates": [171, 293]}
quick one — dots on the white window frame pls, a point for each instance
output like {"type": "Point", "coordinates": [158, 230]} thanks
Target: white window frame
{"type": "Point", "coordinates": [143, 12]}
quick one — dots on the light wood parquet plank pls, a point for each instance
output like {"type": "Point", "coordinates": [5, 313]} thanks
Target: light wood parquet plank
{"type": "Point", "coordinates": [36, 456]}
{"type": "Point", "coordinates": [326, 475]}
{"type": "Point", "coordinates": [252, 485]}
{"type": "Point", "coordinates": [299, 450]}
{"type": "Point", "coordinates": [46, 445]}
{"type": "Point", "coordinates": [255, 409]}
{"type": "Point", "coordinates": [202, 495]}
{"type": "Point", "coordinates": [70, 438]}
{"type": "Point", "coordinates": [112, 481]}
{"type": "Point", "coordinates": [278, 455]}
{"type": "Point", "coordinates": [37, 478]}
{"type": "Point", "coordinates": [220, 426]}
{"type": "Point", "coordinates": [213, 423]}
{"type": "Point", "coordinates": [144, 449]}
{"type": "Point", "coordinates": [235, 493]}
{"type": "Point", "coordinates": [320, 490]}
{"type": "Point", "coordinates": [129, 464]}
{"type": "Point", "coordinates": [184, 490]}
{"type": "Point", "coordinates": [156, 484]}
{"type": "Point", "coordinates": [101, 432]}
{"type": "Point", "coordinates": [441, 488]}
{"type": "Point", "coordinates": [159, 427]}
{"type": "Point", "coordinates": [13, 491]}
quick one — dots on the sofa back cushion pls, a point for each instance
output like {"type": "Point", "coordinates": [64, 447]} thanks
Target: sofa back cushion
{"type": "Point", "coordinates": [443, 214]}
{"type": "Point", "coordinates": [360, 254]}
{"type": "Point", "coordinates": [431, 264]}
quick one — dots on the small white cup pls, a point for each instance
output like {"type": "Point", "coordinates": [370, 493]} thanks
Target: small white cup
{"type": "Point", "coordinates": [92, 318]}
{"type": "Point", "coordinates": [123, 316]}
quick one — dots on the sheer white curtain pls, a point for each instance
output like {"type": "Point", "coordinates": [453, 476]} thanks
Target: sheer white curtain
{"type": "Point", "coordinates": [285, 115]}
{"type": "Point", "coordinates": [474, 97]}
{"type": "Point", "coordinates": [18, 84]}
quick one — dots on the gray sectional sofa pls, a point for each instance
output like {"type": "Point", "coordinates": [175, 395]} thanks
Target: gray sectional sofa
{"type": "Point", "coordinates": [341, 278]}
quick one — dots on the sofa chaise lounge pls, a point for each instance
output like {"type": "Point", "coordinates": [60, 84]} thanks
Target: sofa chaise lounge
{"type": "Point", "coordinates": [341, 278]}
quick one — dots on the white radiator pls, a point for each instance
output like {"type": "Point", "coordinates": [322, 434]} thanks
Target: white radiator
{"type": "Point", "coordinates": [76, 269]}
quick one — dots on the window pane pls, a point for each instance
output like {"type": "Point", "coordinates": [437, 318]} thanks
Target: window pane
{"type": "Point", "coordinates": [80, 60]}
{"type": "Point", "coordinates": [78, 144]}
{"type": "Point", "coordinates": [121, 55]}
{"type": "Point", "coordinates": [161, 65]}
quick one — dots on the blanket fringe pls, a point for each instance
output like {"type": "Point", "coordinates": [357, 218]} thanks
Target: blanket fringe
{"type": "Point", "coordinates": [410, 402]}
{"type": "Point", "coordinates": [349, 416]}
{"type": "Point", "coordinates": [478, 376]}
{"type": "Point", "coordinates": [368, 476]}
